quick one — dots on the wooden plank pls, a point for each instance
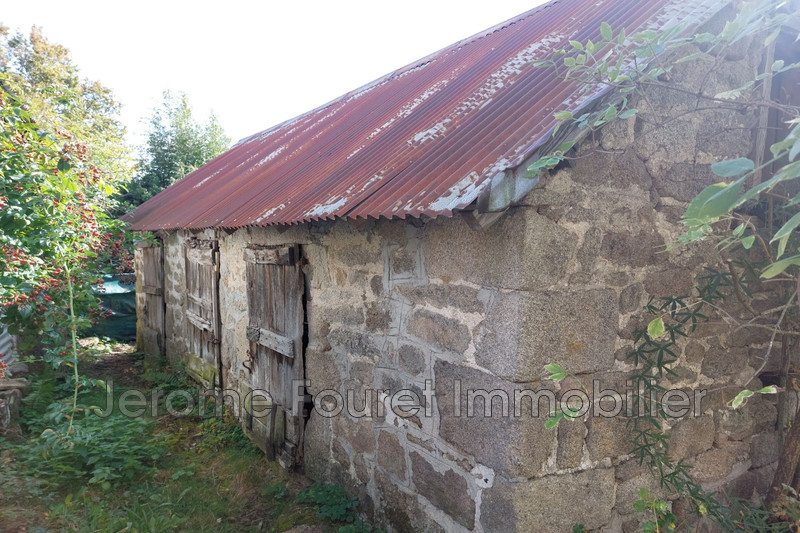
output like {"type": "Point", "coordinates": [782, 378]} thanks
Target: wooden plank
{"type": "Point", "coordinates": [150, 289]}
{"type": "Point", "coordinates": [273, 341]}
{"type": "Point", "coordinates": [203, 303]}
{"type": "Point", "coordinates": [277, 293]}
{"type": "Point", "coordinates": [269, 256]}
{"type": "Point", "coordinates": [198, 321]}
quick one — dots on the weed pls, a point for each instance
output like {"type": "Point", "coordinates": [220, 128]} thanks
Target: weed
{"type": "Point", "coordinates": [331, 501]}
{"type": "Point", "coordinates": [104, 450]}
{"type": "Point", "coordinates": [278, 491]}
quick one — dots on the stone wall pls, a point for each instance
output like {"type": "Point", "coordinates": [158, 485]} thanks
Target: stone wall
{"type": "Point", "coordinates": [426, 305]}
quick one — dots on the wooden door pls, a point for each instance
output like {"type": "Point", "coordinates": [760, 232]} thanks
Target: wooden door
{"type": "Point", "coordinates": [275, 332]}
{"type": "Point", "coordinates": [202, 311]}
{"type": "Point", "coordinates": [150, 292]}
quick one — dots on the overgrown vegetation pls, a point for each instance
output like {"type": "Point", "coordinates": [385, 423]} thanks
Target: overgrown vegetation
{"type": "Point", "coordinates": [196, 473]}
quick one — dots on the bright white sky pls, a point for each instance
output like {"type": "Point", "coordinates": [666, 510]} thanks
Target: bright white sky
{"type": "Point", "coordinates": [254, 64]}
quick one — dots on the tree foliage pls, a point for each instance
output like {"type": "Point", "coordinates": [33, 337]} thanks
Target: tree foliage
{"type": "Point", "coordinates": [60, 99]}
{"type": "Point", "coordinates": [176, 145]}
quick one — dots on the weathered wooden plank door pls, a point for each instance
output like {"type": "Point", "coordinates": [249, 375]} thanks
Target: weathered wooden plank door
{"type": "Point", "coordinates": [202, 311]}
{"type": "Point", "coordinates": [150, 291]}
{"type": "Point", "coordinates": [275, 331]}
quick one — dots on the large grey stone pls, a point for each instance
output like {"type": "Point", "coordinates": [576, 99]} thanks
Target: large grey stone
{"type": "Point", "coordinates": [322, 371]}
{"type": "Point", "coordinates": [764, 449]}
{"type": "Point", "coordinates": [670, 282]}
{"type": "Point", "coordinates": [525, 331]}
{"type": "Point", "coordinates": [691, 436]}
{"type": "Point", "coordinates": [391, 456]}
{"type": "Point", "coordinates": [721, 363]}
{"type": "Point", "coordinates": [400, 509]}
{"type": "Point", "coordinates": [411, 359]}
{"type": "Point", "coordinates": [357, 432]}
{"type": "Point", "coordinates": [317, 447]}
{"type": "Point", "coordinates": [447, 490]}
{"type": "Point", "coordinates": [756, 415]}
{"type": "Point", "coordinates": [522, 250]}
{"type": "Point", "coordinates": [608, 437]}
{"type": "Point", "coordinates": [637, 250]}
{"type": "Point", "coordinates": [552, 503]}
{"type": "Point", "coordinates": [443, 332]}
{"type": "Point", "coordinates": [515, 446]}
{"type": "Point", "coordinates": [571, 436]}
{"type": "Point", "coordinates": [444, 295]}
{"type": "Point", "coordinates": [354, 342]}
{"type": "Point", "coordinates": [717, 463]}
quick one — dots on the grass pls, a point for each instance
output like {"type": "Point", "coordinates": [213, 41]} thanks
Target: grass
{"type": "Point", "coordinates": [190, 474]}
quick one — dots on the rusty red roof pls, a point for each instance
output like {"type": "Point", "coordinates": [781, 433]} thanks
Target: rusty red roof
{"type": "Point", "coordinates": [424, 140]}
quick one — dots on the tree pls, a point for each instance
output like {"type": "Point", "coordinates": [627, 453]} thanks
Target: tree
{"type": "Point", "coordinates": [52, 228]}
{"type": "Point", "coordinates": [176, 145]}
{"type": "Point", "coordinates": [63, 101]}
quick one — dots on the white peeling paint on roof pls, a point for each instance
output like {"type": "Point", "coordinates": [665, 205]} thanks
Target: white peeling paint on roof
{"type": "Point", "coordinates": [681, 12]}
{"type": "Point", "coordinates": [354, 152]}
{"type": "Point", "coordinates": [374, 179]}
{"type": "Point", "coordinates": [409, 107]}
{"type": "Point", "coordinates": [499, 78]}
{"type": "Point", "coordinates": [321, 210]}
{"type": "Point", "coordinates": [460, 194]}
{"type": "Point", "coordinates": [207, 178]}
{"type": "Point", "coordinates": [271, 156]}
{"type": "Point", "coordinates": [430, 133]}
{"type": "Point", "coordinates": [269, 212]}
{"type": "Point", "coordinates": [404, 112]}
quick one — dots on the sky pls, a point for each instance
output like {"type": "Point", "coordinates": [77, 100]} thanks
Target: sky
{"type": "Point", "coordinates": [255, 64]}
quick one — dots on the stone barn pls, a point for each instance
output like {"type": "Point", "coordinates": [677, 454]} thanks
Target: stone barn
{"type": "Point", "coordinates": [363, 280]}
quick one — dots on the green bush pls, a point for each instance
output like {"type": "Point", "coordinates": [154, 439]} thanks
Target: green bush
{"type": "Point", "coordinates": [94, 449]}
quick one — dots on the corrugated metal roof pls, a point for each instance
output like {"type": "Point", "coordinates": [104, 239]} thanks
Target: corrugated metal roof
{"type": "Point", "coordinates": [423, 140]}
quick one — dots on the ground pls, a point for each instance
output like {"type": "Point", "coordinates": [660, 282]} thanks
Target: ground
{"type": "Point", "coordinates": [207, 476]}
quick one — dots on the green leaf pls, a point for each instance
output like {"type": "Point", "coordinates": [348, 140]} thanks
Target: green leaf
{"type": "Point", "coordinates": [558, 377]}
{"type": "Point", "coordinates": [611, 113]}
{"type": "Point", "coordinates": [747, 242]}
{"type": "Point", "coordinates": [779, 266]}
{"type": "Point", "coordinates": [552, 422]}
{"type": "Point", "coordinates": [566, 147]}
{"type": "Point", "coordinates": [577, 45]}
{"type": "Point", "coordinates": [569, 61]}
{"type": "Point", "coordinates": [605, 31]}
{"type": "Point", "coordinates": [713, 202]}
{"type": "Point", "coordinates": [787, 228]}
{"type": "Point", "coordinates": [794, 150]}
{"type": "Point", "coordinates": [628, 113]}
{"type": "Point", "coordinates": [655, 328]}
{"type": "Point", "coordinates": [771, 37]}
{"type": "Point", "coordinates": [777, 65]}
{"type": "Point", "coordinates": [769, 389]}
{"type": "Point", "coordinates": [740, 398]}
{"type": "Point", "coordinates": [553, 368]}
{"type": "Point", "coordinates": [782, 246]}
{"type": "Point", "coordinates": [563, 115]}
{"type": "Point", "coordinates": [732, 167]}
